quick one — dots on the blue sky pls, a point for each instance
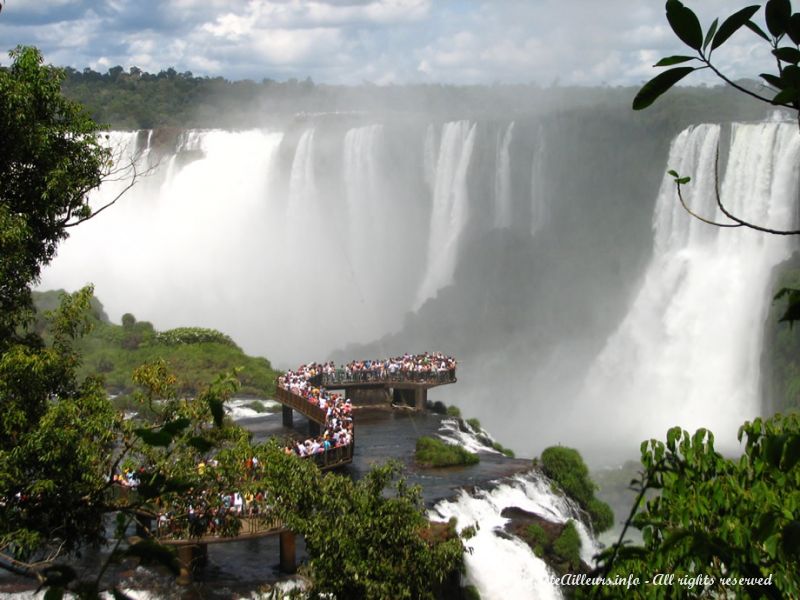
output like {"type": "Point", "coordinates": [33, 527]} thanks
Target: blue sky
{"type": "Point", "coordinates": [588, 42]}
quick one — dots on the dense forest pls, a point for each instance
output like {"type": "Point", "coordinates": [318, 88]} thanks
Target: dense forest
{"type": "Point", "coordinates": [135, 99]}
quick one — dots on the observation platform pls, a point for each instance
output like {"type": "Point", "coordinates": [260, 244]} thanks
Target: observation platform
{"type": "Point", "coordinates": [363, 389]}
{"type": "Point", "coordinates": [193, 551]}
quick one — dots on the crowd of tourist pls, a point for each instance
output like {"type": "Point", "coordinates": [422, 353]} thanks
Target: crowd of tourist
{"type": "Point", "coordinates": [433, 367]}
{"type": "Point", "coordinates": [338, 428]}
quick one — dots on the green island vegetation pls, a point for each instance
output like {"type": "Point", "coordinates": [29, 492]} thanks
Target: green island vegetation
{"type": "Point", "coordinates": [433, 452]}
{"type": "Point", "coordinates": [566, 468]}
{"type": "Point", "coordinates": [194, 354]}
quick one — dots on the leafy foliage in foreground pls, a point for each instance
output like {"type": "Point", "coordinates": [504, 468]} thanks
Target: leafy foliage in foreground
{"type": "Point", "coordinates": [433, 452]}
{"type": "Point", "coordinates": [366, 538]}
{"type": "Point", "coordinates": [565, 466]}
{"type": "Point", "coordinates": [194, 354]}
{"type": "Point", "coordinates": [782, 35]}
{"type": "Point", "coordinates": [734, 520]}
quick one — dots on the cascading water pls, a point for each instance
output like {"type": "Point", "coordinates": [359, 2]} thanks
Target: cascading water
{"type": "Point", "coordinates": [688, 351]}
{"type": "Point", "coordinates": [450, 209]}
{"type": "Point", "coordinates": [502, 565]}
{"type": "Point", "coordinates": [300, 241]}
{"type": "Point", "coordinates": [502, 184]}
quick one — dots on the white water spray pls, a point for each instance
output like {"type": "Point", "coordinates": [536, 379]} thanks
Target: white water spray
{"type": "Point", "coordinates": [503, 566]}
{"type": "Point", "coordinates": [450, 207]}
{"type": "Point", "coordinates": [688, 351]}
{"type": "Point", "coordinates": [502, 183]}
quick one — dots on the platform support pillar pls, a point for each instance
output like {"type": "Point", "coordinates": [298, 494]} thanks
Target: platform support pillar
{"type": "Point", "coordinates": [288, 552]}
{"type": "Point", "coordinates": [420, 398]}
{"type": "Point", "coordinates": [288, 421]}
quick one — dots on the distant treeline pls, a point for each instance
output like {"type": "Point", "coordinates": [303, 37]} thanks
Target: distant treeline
{"type": "Point", "coordinates": [136, 99]}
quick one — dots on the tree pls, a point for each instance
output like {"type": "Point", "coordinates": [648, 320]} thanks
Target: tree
{"type": "Point", "coordinates": [52, 157]}
{"type": "Point", "coordinates": [783, 86]}
{"type": "Point", "coordinates": [366, 539]}
{"type": "Point", "coordinates": [734, 522]}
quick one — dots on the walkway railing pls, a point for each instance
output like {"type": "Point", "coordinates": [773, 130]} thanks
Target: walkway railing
{"type": "Point", "coordinates": [211, 527]}
{"type": "Point", "coordinates": [300, 404]}
{"type": "Point", "coordinates": [342, 378]}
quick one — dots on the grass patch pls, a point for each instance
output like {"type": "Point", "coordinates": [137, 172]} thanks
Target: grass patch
{"type": "Point", "coordinates": [433, 452]}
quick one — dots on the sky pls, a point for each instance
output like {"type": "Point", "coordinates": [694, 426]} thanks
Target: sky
{"type": "Point", "coordinates": [582, 42]}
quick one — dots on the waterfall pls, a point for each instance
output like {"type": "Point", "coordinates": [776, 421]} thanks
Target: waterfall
{"type": "Point", "coordinates": [503, 566]}
{"type": "Point", "coordinates": [450, 207]}
{"type": "Point", "coordinates": [502, 182]}
{"type": "Point", "coordinates": [538, 201]}
{"type": "Point", "coordinates": [688, 351]}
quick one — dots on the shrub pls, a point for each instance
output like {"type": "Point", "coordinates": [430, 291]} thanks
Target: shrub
{"type": "Point", "coordinates": [474, 423]}
{"type": "Point", "coordinates": [432, 452]}
{"type": "Point", "coordinates": [193, 335]}
{"type": "Point", "coordinates": [438, 407]}
{"type": "Point", "coordinates": [566, 467]}
{"type": "Point", "coordinates": [601, 514]}
{"type": "Point", "coordinates": [567, 546]}
{"type": "Point", "coordinates": [453, 411]}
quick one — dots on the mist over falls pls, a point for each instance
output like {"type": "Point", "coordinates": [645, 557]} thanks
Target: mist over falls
{"type": "Point", "coordinates": [583, 304]}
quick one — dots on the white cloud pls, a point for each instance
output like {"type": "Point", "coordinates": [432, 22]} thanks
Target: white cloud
{"type": "Point", "coordinates": [386, 41]}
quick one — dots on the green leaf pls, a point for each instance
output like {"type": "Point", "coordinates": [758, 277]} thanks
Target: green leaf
{"type": "Point", "coordinates": [710, 34]}
{"type": "Point", "coordinates": [673, 60]}
{"type": "Point", "coordinates": [791, 453]}
{"type": "Point", "coordinates": [773, 80]}
{"type": "Point", "coordinates": [794, 28]}
{"type": "Point", "coordinates": [673, 173]}
{"type": "Point", "coordinates": [786, 96]}
{"type": "Point", "coordinates": [757, 30]}
{"type": "Point", "coordinates": [788, 54]}
{"type": "Point", "coordinates": [683, 180]}
{"type": "Point", "coordinates": [732, 24]}
{"type": "Point", "coordinates": [685, 24]}
{"type": "Point", "coordinates": [778, 13]}
{"type": "Point", "coordinates": [791, 75]}
{"type": "Point", "coordinates": [658, 85]}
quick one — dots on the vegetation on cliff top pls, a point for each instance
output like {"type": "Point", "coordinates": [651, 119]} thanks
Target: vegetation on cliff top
{"type": "Point", "coordinates": [195, 355]}
{"type": "Point", "coordinates": [565, 466]}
